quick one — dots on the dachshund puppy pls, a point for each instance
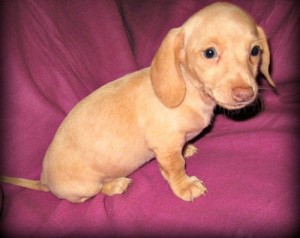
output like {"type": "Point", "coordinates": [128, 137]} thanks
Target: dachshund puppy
{"type": "Point", "coordinates": [212, 59]}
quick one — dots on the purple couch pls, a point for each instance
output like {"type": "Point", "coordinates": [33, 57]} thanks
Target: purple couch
{"type": "Point", "coordinates": [54, 53]}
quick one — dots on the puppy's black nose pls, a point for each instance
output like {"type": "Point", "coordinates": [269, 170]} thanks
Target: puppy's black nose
{"type": "Point", "coordinates": [241, 94]}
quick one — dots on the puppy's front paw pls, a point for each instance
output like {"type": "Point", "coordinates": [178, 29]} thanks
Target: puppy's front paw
{"type": "Point", "coordinates": [190, 188]}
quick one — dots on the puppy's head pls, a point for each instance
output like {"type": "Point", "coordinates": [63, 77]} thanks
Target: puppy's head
{"type": "Point", "coordinates": [219, 50]}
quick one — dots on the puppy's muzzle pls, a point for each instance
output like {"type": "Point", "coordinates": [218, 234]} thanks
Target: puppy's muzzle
{"type": "Point", "coordinates": [240, 94]}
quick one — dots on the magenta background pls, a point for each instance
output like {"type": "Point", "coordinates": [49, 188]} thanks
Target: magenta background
{"type": "Point", "coordinates": [53, 53]}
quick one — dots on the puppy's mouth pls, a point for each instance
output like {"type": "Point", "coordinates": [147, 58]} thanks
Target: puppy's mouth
{"type": "Point", "coordinates": [237, 101]}
{"type": "Point", "coordinates": [234, 106]}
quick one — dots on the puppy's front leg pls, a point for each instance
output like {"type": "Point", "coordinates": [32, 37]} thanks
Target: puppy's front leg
{"type": "Point", "coordinates": [189, 150]}
{"type": "Point", "coordinates": [172, 166]}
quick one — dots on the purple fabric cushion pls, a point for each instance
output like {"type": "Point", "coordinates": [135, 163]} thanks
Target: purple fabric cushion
{"type": "Point", "coordinates": [56, 52]}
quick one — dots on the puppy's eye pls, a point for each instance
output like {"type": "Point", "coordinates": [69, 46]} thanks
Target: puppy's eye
{"type": "Point", "coordinates": [255, 50]}
{"type": "Point", "coordinates": [210, 53]}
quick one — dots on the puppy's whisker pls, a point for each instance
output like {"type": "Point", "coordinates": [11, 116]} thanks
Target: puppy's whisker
{"type": "Point", "coordinates": [264, 88]}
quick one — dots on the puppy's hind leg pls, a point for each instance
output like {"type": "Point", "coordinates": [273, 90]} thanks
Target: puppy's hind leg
{"type": "Point", "coordinates": [79, 192]}
{"type": "Point", "coordinates": [116, 186]}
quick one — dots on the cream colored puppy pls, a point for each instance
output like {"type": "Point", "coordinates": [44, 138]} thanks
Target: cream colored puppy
{"type": "Point", "coordinates": [213, 58]}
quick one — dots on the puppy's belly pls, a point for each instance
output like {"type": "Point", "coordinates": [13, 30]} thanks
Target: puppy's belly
{"type": "Point", "coordinates": [192, 135]}
{"type": "Point", "coordinates": [118, 165]}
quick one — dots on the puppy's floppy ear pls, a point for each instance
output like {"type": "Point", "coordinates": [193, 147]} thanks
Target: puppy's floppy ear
{"type": "Point", "coordinates": [166, 77]}
{"type": "Point", "coordinates": [265, 62]}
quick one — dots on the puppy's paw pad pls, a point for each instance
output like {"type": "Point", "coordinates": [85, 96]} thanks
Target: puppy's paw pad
{"type": "Point", "coordinates": [190, 189]}
{"type": "Point", "coordinates": [116, 186]}
{"type": "Point", "coordinates": [189, 150]}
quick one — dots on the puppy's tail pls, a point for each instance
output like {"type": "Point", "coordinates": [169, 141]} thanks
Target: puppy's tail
{"type": "Point", "coordinates": [26, 183]}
